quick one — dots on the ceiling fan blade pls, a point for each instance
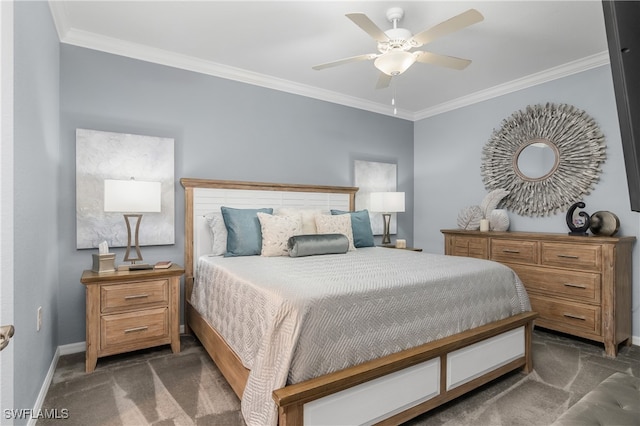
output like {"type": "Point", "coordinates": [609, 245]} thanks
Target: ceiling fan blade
{"type": "Point", "coordinates": [442, 60]}
{"type": "Point", "coordinates": [365, 57]}
{"type": "Point", "coordinates": [383, 81]}
{"type": "Point", "coordinates": [363, 21]}
{"type": "Point", "coordinates": [449, 26]}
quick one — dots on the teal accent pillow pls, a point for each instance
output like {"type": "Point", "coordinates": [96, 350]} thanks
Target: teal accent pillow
{"type": "Point", "coordinates": [310, 245]}
{"type": "Point", "coordinates": [244, 235]}
{"type": "Point", "coordinates": [361, 227]}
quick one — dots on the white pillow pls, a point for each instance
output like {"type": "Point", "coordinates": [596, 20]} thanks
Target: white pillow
{"type": "Point", "coordinates": [336, 224]}
{"type": "Point", "coordinates": [218, 233]}
{"type": "Point", "coordinates": [276, 231]}
{"type": "Point", "coordinates": [308, 217]}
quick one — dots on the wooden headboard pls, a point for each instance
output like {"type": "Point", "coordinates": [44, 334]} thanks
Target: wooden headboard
{"type": "Point", "coordinates": [203, 196]}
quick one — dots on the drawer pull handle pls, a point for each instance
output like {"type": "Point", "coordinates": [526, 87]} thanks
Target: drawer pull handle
{"type": "Point", "coordinates": [568, 256]}
{"type": "Point", "coordinates": [578, 317]}
{"type": "Point", "coordinates": [136, 329]}
{"type": "Point", "coordinates": [572, 285]}
{"type": "Point", "coordinates": [511, 251]}
{"type": "Point", "coordinates": [136, 296]}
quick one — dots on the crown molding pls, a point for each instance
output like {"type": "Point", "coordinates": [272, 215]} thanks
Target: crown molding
{"type": "Point", "coordinates": [159, 56]}
{"type": "Point", "coordinates": [60, 18]}
{"type": "Point", "coordinates": [570, 68]}
{"type": "Point", "coordinates": [119, 47]}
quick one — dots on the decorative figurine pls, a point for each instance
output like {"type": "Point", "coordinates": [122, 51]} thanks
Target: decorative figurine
{"type": "Point", "coordinates": [579, 225]}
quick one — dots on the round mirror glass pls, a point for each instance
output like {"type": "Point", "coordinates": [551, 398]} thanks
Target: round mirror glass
{"type": "Point", "coordinates": [536, 160]}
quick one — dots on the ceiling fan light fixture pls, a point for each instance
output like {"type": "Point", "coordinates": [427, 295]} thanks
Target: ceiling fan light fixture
{"type": "Point", "coordinates": [394, 63]}
{"type": "Point", "coordinates": [399, 39]}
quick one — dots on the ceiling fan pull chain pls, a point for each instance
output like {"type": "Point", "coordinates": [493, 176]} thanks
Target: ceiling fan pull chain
{"type": "Point", "coordinates": [393, 99]}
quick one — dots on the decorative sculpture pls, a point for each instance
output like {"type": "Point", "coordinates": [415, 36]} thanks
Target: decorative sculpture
{"type": "Point", "coordinates": [580, 225]}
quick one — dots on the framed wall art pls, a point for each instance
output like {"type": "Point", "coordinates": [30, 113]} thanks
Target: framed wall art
{"type": "Point", "coordinates": [371, 177]}
{"type": "Point", "coordinates": [104, 156]}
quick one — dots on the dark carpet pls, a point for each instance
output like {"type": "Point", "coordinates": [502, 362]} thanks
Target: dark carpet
{"type": "Point", "coordinates": [156, 387]}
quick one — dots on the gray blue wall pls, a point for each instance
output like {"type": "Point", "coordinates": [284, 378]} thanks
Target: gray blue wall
{"type": "Point", "coordinates": [448, 154]}
{"type": "Point", "coordinates": [222, 130]}
{"type": "Point", "coordinates": [229, 130]}
{"type": "Point", "coordinates": [37, 165]}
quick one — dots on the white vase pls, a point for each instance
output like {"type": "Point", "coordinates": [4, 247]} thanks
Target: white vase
{"type": "Point", "coordinates": [498, 220]}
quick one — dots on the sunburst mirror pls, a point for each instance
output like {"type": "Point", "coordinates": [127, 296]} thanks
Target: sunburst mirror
{"type": "Point", "coordinates": [547, 156]}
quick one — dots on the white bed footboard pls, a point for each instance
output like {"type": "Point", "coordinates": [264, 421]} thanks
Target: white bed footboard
{"type": "Point", "coordinates": [378, 399]}
{"type": "Point", "coordinates": [396, 388]}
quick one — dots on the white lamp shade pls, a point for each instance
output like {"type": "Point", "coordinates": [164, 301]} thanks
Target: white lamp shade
{"type": "Point", "coordinates": [132, 196]}
{"type": "Point", "coordinates": [395, 62]}
{"type": "Point", "coordinates": [387, 202]}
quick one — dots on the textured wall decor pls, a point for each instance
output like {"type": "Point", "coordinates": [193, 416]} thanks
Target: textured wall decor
{"type": "Point", "coordinates": [371, 177]}
{"type": "Point", "coordinates": [547, 156]}
{"type": "Point", "coordinates": [106, 155]}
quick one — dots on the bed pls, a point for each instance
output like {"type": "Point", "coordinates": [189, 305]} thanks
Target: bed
{"type": "Point", "coordinates": [329, 350]}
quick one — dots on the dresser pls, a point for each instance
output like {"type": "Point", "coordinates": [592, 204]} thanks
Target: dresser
{"type": "Point", "coordinates": [578, 285]}
{"type": "Point", "coordinates": [131, 310]}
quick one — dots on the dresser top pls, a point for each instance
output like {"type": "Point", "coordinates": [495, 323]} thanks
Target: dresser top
{"type": "Point", "coordinates": [547, 236]}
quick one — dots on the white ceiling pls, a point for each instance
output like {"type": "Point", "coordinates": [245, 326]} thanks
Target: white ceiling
{"type": "Point", "coordinates": [275, 43]}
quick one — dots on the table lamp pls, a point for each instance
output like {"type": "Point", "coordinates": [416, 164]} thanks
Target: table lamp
{"type": "Point", "coordinates": [387, 203]}
{"type": "Point", "coordinates": [132, 197]}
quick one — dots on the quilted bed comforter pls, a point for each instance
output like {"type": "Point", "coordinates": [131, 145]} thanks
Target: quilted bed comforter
{"type": "Point", "coordinates": [291, 319]}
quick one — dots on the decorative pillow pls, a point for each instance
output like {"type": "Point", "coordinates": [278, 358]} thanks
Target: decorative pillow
{"type": "Point", "coordinates": [244, 236]}
{"type": "Point", "coordinates": [276, 231]}
{"type": "Point", "coordinates": [309, 245]}
{"type": "Point", "coordinates": [361, 226]}
{"type": "Point", "coordinates": [218, 233]}
{"type": "Point", "coordinates": [308, 217]}
{"type": "Point", "coordinates": [339, 224]}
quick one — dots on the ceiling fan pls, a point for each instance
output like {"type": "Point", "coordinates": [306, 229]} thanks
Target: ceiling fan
{"type": "Point", "coordinates": [395, 45]}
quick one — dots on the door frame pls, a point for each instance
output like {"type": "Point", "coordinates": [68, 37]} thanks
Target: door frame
{"type": "Point", "coordinates": [6, 200]}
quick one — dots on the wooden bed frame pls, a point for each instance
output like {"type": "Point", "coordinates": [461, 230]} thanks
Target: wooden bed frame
{"type": "Point", "coordinates": [387, 390]}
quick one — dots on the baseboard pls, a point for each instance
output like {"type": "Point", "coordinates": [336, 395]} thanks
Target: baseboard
{"type": "Point", "coordinates": [72, 348]}
{"type": "Point", "coordinates": [45, 387]}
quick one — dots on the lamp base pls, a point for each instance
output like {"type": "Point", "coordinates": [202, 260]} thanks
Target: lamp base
{"type": "Point", "coordinates": [386, 238]}
{"type": "Point", "coordinates": [127, 256]}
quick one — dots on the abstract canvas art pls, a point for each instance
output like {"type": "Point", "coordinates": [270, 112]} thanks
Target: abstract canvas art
{"type": "Point", "coordinates": [375, 177]}
{"type": "Point", "coordinates": [106, 155]}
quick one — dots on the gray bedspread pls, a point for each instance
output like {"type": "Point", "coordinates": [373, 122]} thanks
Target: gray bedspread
{"type": "Point", "coordinates": [291, 319]}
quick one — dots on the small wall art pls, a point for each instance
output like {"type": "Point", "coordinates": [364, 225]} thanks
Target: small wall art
{"type": "Point", "coordinates": [371, 177]}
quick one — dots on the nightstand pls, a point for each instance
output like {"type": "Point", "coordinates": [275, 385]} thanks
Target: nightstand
{"type": "Point", "coordinates": [400, 248]}
{"type": "Point", "coordinates": [131, 310]}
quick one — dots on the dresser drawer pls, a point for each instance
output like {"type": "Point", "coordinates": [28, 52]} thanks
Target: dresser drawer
{"type": "Point", "coordinates": [120, 297]}
{"type": "Point", "coordinates": [520, 251]}
{"type": "Point", "coordinates": [470, 247]}
{"type": "Point", "coordinates": [566, 316]}
{"type": "Point", "coordinates": [574, 256]}
{"type": "Point", "coordinates": [579, 286]}
{"type": "Point", "coordinates": [133, 327]}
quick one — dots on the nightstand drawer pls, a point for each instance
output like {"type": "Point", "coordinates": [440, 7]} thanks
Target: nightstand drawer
{"type": "Point", "coordinates": [573, 256]}
{"type": "Point", "coordinates": [120, 297]}
{"type": "Point", "coordinates": [133, 327]}
{"type": "Point", "coordinates": [566, 316]}
{"type": "Point", "coordinates": [580, 286]}
{"type": "Point", "coordinates": [514, 251]}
